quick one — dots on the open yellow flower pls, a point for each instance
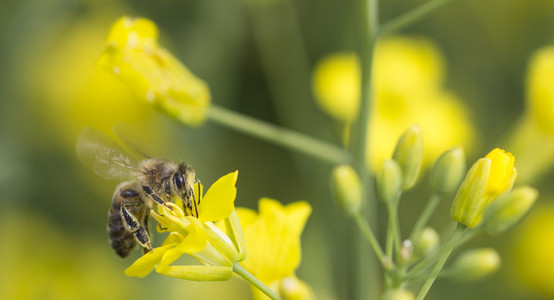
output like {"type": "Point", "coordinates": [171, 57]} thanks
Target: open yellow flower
{"type": "Point", "coordinates": [487, 179]}
{"type": "Point", "coordinates": [197, 236]}
{"type": "Point", "coordinates": [132, 53]}
{"type": "Point", "coordinates": [273, 241]}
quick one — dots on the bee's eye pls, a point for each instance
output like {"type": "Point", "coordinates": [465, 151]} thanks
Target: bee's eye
{"type": "Point", "coordinates": [179, 180]}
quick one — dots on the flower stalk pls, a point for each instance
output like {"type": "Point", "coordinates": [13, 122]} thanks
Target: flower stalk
{"type": "Point", "coordinates": [242, 272]}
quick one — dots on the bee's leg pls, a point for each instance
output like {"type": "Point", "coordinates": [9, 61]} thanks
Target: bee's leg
{"type": "Point", "coordinates": [133, 225]}
{"type": "Point", "coordinates": [145, 222]}
{"type": "Point", "coordinates": [156, 198]}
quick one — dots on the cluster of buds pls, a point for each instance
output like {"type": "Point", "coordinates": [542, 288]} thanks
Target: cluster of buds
{"type": "Point", "coordinates": [485, 200]}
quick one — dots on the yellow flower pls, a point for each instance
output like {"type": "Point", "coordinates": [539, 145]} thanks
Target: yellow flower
{"type": "Point", "coordinates": [197, 236]}
{"type": "Point", "coordinates": [70, 92]}
{"type": "Point", "coordinates": [534, 248]}
{"type": "Point", "coordinates": [487, 179]}
{"type": "Point", "coordinates": [540, 90]}
{"type": "Point", "coordinates": [408, 81]}
{"type": "Point", "coordinates": [132, 53]}
{"type": "Point", "coordinates": [272, 238]}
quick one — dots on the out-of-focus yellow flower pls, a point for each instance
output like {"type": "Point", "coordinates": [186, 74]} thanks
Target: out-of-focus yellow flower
{"type": "Point", "coordinates": [132, 53]}
{"type": "Point", "coordinates": [540, 89]}
{"type": "Point", "coordinates": [196, 235]}
{"type": "Point", "coordinates": [532, 141]}
{"type": "Point", "coordinates": [534, 248]}
{"type": "Point", "coordinates": [408, 86]}
{"type": "Point", "coordinates": [487, 179]}
{"type": "Point", "coordinates": [71, 92]}
{"type": "Point", "coordinates": [272, 238]}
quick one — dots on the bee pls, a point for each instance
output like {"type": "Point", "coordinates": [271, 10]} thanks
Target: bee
{"type": "Point", "coordinates": [151, 182]}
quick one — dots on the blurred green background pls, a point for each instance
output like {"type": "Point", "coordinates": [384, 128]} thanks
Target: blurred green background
{"type": "Point", "coordinates": [257, 57]}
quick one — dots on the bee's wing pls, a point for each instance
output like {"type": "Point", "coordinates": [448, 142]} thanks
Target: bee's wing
{"type": "Point", "coordinates": [105, 156]}
{"type": "Point", "coordinates": [131, 140]}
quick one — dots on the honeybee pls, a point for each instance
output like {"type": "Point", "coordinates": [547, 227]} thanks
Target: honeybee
{"type": "Point", "coordinates": [151, 182]}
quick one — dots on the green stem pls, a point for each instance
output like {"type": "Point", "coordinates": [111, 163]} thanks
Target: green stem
{"type": "Point", "coordinates": [278, 135]}
{"type": "Point", "coordinates": [368, 233]}
{"type": "Point", "coordinates": [424, 217]}
{"type": "Point", "coordinates": [411, 17]}
{"type": "Point", "coordinates": [242, 272]}
{"type": "Point", "coordinates": [368, 277]}
{"type": "Point", "coordinates": [440, 264]}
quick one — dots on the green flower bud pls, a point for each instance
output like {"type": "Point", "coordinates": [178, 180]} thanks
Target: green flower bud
{"type": "Point", "coordinates": [448, 171]}
{"type": "Point", "coordinates": [399, 294]}
{"type": "Point", "coordinates": [475, 264]}
{"type": "Point", "coordinates": [510, 209]}
{"type": "Point", "coordinates": [348, 189]}
{"type": "Point", "coordinates": [408, 154]}
{"type": "Point", "coordinates": [389, 181]}
{"type": "Point", "coordinates": [427, 241]}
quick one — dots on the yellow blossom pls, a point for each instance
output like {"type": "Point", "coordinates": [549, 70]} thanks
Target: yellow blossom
{"type": "Point", "coordinates": [408, 82]}
{"type": "Point", "coordinates": [540, 90]}
{"type": "Point", "coordinates": [132, 53]}
{"type": "Point", "coordinates": [71, 92]}
{"type": "Point", "coordinates": [487, 179]}
{"type": "Point", "coordinates": [196, 235]}
{"type": "Point", "coordinates": [272, 238]}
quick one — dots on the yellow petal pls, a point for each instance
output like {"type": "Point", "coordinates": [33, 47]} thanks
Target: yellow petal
{"type": "Point", "coordinates": [219, 201]}
{"type": "Point", "coordinates": [246, 216]}
{"type": "Point", "coordinates": [144, 265]}
{"type": "Point", "coordinates": [502, 168]}
{"type": "Point", "coordinates": [273, 240]}
{"type": "Point", "coordinates": [297, 215]}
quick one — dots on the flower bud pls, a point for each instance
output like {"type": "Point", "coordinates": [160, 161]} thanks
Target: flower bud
{"type": "Point", "coordinates": [408, 154]}
{"type": "Point", "coordinates": [510, 209]}
{"type": "Point", "coordinates": [348, 189]}
{"type": "Point", "coordinates": [475, 264]}
{"type": "Point", "coordinates": [487, 179]}
{"type": "Point", "coordinates": [427, 241]}
{"type": "Point", "coordinates": [448, 171]}
{"type": "Point", "coordinates": [399, 294]}
{"type": "Point", "coordinates": [389, 182]}
{"type": "Point", "coordinates": [292, 288]}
